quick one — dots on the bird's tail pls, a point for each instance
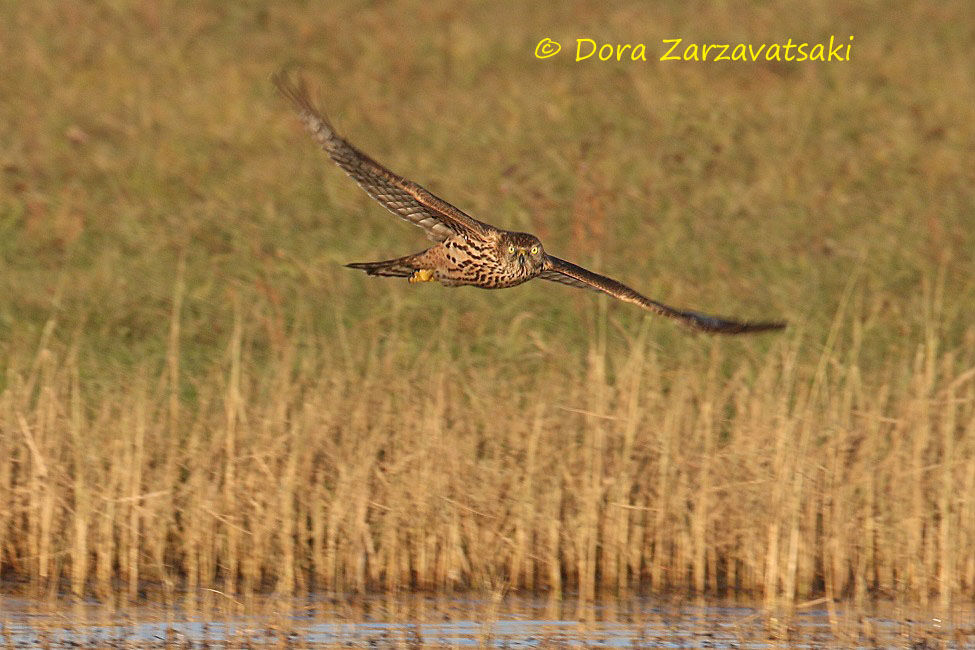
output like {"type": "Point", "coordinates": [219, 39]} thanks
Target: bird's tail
{"type": "Point", "coordinates": [401, 267]}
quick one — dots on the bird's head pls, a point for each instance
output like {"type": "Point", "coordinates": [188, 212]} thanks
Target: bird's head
{"type": "Point", "coordinates": [522, 251]}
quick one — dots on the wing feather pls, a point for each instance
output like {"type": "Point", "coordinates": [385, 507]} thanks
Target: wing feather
{"type": "Point", "coordinates": [561, 278]}
{"type": "Point", "coordinates": [399, 195]}
{"type": "Point", "coordinates": [558, 270]}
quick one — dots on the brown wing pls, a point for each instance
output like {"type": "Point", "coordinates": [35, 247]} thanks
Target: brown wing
{"type": "Point", "coordinates": [400, 196]}
{"type": "Point", "coordinates": [558, 270]}
{"type": "Point", "coordinates": [555, 276]}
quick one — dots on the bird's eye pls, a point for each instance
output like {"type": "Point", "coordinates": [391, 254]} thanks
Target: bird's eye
{"type": "Point", "coordinates": [511, 249]}
{"type": "Point", "coordinates": [534, 250]}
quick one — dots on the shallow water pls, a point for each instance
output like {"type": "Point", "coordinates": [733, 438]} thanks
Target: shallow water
{"type": "Point", "coordinates": [413, 621]}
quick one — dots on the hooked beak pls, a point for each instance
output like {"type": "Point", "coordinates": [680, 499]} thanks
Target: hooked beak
{"type": "Point", "coordinates": [521, 258]}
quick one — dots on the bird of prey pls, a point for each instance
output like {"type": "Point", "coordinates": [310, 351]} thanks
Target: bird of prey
{"type": "Point", "coordinates": [468, 251]}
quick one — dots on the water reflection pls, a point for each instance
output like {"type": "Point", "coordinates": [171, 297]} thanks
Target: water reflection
{"type": "Point", "coordinates": [414, 621]}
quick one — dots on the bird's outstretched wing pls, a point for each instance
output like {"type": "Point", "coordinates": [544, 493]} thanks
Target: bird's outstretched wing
{"type": "Point", "coordinates": [558, 270]}
{"type": "Point", "coordinates": [400, 196]}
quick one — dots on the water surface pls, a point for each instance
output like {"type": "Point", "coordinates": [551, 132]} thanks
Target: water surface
{"type": "Point", "coordinates": [417, 621]}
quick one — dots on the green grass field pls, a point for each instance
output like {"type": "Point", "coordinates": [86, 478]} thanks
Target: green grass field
{"type": "Point", "coordinates": [195, 391]}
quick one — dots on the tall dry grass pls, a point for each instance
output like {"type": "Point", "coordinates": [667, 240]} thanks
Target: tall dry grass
{"type": "Point", "coordinates": [353, 466]}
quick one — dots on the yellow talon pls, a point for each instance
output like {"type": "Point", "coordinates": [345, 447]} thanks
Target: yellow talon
{"type": "Point", "coordinates": [422, 275]}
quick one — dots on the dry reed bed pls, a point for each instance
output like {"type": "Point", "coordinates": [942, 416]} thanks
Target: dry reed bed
{"type": "Point", "coordinates": [353, 468]}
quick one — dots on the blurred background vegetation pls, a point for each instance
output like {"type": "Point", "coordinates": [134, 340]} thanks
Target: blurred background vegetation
{"type": "Point", "coordinates": [164, 220]}
{"type": "Point", "coordinates": [148, 132]}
